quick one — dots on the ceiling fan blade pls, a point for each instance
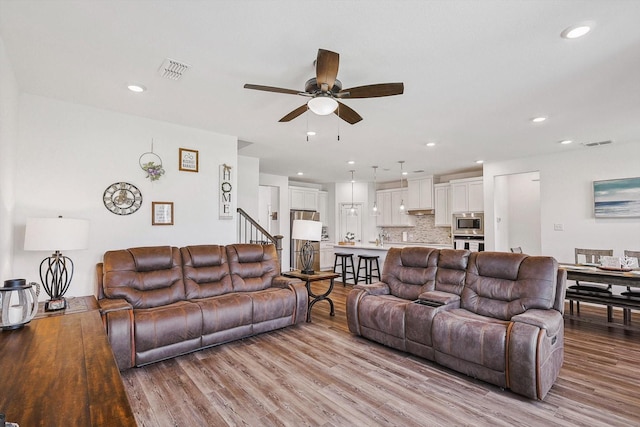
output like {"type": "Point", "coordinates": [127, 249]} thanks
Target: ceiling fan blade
{"type": "Point", "coordinates": [272, 89]}
{"type": "Point", "coordinates": [347, 114]}
{"type": "Point", "coordinates": [326, 69]}
{"type": "Point", "coordinates": [373, 91]}
{"type": "Point", "coordinates": [295, 113]}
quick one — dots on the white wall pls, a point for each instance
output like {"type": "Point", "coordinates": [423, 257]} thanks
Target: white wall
{"type": "Point", "coordinates": [566, 197]}
{"type": "Point", "coordinates": [248, 183]}
{"type": "Point", "coordinates": [67, 156]}
{"type": "Point", "coordinates": [282, 182]}
{"type": "Point", "coordinates": [8, 142]}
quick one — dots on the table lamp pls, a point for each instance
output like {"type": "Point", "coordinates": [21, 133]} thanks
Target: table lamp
{"type": "Point", "coordinates": [308, 231]}
{"type": "Point", "coordinates": [56, 271]}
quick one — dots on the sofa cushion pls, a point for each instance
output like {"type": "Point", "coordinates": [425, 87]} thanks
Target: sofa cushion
{"type": "Point", "coordinates": [502, 285]}
{"type": "Point", "coordinates": [452, 269]}
{"type": "Point", "coordinates": [410, 271]}
{"type": "Point", "coordinates": [145, 277]}
{"type": "Point", "coordinates": [163, 326]}
{"type": "Point", "coordinates": [471, 337]}
{"type": "Point", "coordinates": [383, 313]}
{"type": "Point", "coordinates": [252, 266]}
{"type": "Point", "coordinates": [206, 271]}
{"type": "Point", "coordinates": [225, 312]}
{"type": "Point", "coordinates": [273, 303]}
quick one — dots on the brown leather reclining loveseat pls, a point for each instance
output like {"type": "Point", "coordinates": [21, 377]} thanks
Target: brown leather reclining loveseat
{"type": "Point", "coordinates": [490, 315]}
{"type": "Point", "coordinates": [160, 302]}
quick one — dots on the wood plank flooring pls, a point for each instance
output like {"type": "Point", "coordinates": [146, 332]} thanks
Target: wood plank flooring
{"type": "Point", "coordinates": [318, 374]}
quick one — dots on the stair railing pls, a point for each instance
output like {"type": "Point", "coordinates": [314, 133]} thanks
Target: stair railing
{"type": "Point", "coordinates": [249, 231]}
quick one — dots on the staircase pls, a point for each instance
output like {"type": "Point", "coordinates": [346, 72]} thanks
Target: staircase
{"type": "Point", "coordinates": [249, 231]}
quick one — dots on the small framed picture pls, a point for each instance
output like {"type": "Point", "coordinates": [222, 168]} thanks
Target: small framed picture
{"type": "Point", "coordinates": [188, 160]}
{"type": "Point", "coordinates": [161, 213]}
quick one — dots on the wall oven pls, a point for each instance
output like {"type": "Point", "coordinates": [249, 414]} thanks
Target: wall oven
{"type": "Point", "coordinates": [468, 224]}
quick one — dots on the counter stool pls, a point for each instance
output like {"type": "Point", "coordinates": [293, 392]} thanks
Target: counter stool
{"type": "Point", "coordinates": [369, 268]}
{"type": "Point", "coordinates": [346, 261]}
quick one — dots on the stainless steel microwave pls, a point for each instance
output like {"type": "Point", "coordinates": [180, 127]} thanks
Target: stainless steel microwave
{"type": "Point", "coordinates": [468, 223]}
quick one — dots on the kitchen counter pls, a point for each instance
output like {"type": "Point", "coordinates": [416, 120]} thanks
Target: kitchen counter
{"type": "Point", "coordinates": [386, 246]}
{"type": "Point", "coordinates": [381, 251]}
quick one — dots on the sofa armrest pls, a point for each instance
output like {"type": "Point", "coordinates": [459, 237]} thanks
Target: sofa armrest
{"type": "Point", "coordinates": [549, 320]}
{"type": "Point", "coordinates": [117, 318]}
{"type": "Point", "coordinates": [378, 288]}
{"type": "Point", "coordinates": [284, 281]}
{"type": "Point", "coordinates": [299, 288]}
{"type": "Point", "coordinates": [448, 300]}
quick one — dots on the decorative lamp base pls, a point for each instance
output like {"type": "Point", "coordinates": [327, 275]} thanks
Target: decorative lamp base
{"type": "Point", "coordinates": [55, 304]}
{"type": "Point", "coordinates": [307, 271]}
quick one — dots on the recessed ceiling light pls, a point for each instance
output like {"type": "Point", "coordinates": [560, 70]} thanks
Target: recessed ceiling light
{"type": "Point", "coordinates": [311, 133]}
{"type": "Point", "coordinates": [566, 141]}
{"type": "Point", "coordinates": [136, 88]}
{"type": "Point", "coordinates": [430, 144]}
{"type": "Point", "coordinates": [539, 119]}
{"type": "Point", "coordinates": [479, 162]}
{"type": "Point", "coordinates": [405, 173]}
{"type": "Point", "coordinates": [576, 31]}
{"type": "Point", "coordinates": [300, 173]}
{"type": "Point", "coordinates": [351, 162]}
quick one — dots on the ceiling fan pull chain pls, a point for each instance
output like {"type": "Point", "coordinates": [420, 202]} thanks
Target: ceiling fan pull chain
{"type": "Point", "coordinates": [338, 122]}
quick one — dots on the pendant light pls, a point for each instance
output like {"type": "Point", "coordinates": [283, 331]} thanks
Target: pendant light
{"type": "Point", "coordinates": [401, 179]}
{"type": "Point", "coordinates": [374, 209]}
{"type": "Point", "coordinates": [352, 209]}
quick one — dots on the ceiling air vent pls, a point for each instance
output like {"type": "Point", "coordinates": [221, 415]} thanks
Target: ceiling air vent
{"type": "Point", "coordinates": [595, 144]}
{"type": "Point", "coordinates": [172, 69]}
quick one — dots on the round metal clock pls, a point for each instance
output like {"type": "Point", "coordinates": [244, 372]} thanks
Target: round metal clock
{"type": "Point", "coordinates": [122, 198]}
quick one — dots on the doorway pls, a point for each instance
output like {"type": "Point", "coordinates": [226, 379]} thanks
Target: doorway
{"type": "Point", "coordinates": [268, 202]}
{"type": "Point", "coordinates": [350, 223]}
{"type": "Point", "coordinates": [517, 212]}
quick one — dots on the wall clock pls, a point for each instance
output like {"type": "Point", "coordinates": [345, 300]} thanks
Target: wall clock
{"type": "Point", "coordinates": [122, 198]}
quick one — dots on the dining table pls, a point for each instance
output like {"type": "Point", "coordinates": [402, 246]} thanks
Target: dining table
{"type": "Point", "coordinates": [616, 277]}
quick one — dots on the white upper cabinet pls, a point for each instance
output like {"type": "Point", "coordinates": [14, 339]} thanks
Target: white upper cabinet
{"type": "Point", "coordinates": [389, 207]}
{"type": "Point", "coordinates": [303, 198]}
{"type": "Point", "coordinates": [420, 193]}
{"type": "Point", "coordinates": [442, 196]}
{"type": "Point", "coordinates": [467, 195]}
{"type": "Point", "coordinates": [323, 197]}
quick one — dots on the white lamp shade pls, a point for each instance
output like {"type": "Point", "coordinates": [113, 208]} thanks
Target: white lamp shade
{"type": "Point", "coordinates": [322, 105]}
{"type": "Point", "coordinates": [306, 230]}
{"type": "Point", "coordinates": [56, 234]}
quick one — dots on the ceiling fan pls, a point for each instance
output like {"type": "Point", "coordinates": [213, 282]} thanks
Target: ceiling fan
{"type": "Point", "coordinates": [325, 90]}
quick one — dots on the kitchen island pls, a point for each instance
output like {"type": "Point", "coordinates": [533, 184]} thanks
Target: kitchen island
{"type": "Point", "coordinates": [381, 250]}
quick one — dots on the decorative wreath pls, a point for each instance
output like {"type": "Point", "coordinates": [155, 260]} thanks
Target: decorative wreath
{"type": "Point", "coordinates": [148, 164]}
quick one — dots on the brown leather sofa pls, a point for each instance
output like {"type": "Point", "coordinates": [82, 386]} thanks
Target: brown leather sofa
{"type": "Point", "coordinates": [494, 316]}
{"type": "Point", "coordinates": [160, 302]}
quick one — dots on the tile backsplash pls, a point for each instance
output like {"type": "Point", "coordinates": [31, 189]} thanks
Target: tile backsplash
{"type": "Point", "coordinates": [424, 231]}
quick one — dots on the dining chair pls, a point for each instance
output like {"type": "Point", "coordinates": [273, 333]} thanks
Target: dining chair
{"type": "Point", "coordinates": [626, 312]}
{"type": "Point", "coordinates": [590, 256]}
{"type": "Point", "coordinates": [516, 250]}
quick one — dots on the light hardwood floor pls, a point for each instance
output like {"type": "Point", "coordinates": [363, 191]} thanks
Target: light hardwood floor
{"type": "Point", "coordinates": [318, 374]}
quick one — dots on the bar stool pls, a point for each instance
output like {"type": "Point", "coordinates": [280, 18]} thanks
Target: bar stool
{"type": "Point", "coordinates": [369, 268]}
{"type": "Point", "coordinates": [346, 261]}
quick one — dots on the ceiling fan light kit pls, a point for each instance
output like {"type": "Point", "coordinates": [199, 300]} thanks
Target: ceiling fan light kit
{"type": "Point", "coordinates": [325, 90]}
{"type": "Point", "coordinates": [323, 105]}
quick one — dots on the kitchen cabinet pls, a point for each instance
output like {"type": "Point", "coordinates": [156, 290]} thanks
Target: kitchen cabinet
{"type": "Point", "coordinates": [389, 206]}
{"type": "Point", "coordinates": [442, 196]}
{"type": "Point", "coordinates": [323, 198]}
{"type": "Point", "coordinates": [467, 195]}
{"type": "Point", "coordinates": [420, 193]}
{"type": "Point", "coordinates": [303, 198]}
{"type": "Point", "coordinates": [326, 256]}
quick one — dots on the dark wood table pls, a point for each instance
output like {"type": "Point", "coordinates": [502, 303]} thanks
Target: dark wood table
{"type": "Point", "coordinates": [313, 298]}
{"type": "Point", "coordinates": [628, 279]}
{"type": "Point", "coordinates": [59, 370]}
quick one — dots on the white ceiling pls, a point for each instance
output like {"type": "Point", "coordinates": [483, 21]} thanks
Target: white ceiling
{"type": "Point", "coordinates": [474, 72]}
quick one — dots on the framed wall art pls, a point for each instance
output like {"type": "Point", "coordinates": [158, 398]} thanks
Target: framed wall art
{"type": "Point", "coordinates": [188, 160]}
{"type": "Point", "coordinates": [161, 213]}
{"type": "Point", "coordinates": [617, 198]}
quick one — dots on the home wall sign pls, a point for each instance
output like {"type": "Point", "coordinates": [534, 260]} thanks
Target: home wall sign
{"type": "Point", "coordinates": [226, 192]}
